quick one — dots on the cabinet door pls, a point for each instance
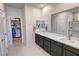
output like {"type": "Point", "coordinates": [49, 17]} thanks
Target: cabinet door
{"type": "Point", "coordinates": [47, 49]}
{"type": "Point", "coordinates": [56, 50]}
{"type": "Point", "coordinates": [36, 39]}
{"type": "Point", "coordinates": [46, 42]}
{"type": "Point", "coordinates": [41, 41]}
{"type": "Point", "coordinates": [68, 53]}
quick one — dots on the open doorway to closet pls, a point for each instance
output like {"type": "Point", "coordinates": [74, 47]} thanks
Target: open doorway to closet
{"type": "Point", "coordinates": [16, 30]}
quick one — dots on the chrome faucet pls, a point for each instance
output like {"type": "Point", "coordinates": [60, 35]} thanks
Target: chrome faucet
{"type": "Point", "coordinates": [69, 29]}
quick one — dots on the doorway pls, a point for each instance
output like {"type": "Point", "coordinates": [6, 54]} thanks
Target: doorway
{"type": "Point", "coordinates": [16, 31]}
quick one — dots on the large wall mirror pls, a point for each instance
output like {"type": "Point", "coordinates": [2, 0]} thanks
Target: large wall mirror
{"type": "Point", "coordinates": [66, 22]}
{"type": "Point", "coordinates": [74, 28]}
{"type": "Point", "coordinates": [59, 23]}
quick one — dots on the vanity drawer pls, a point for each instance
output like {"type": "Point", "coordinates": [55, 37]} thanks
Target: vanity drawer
{"type": "Point", "coordinates": [41, 42]}
{"type": "Point", "coordinates": [71, 49]}
{"type": "Point", "coordinates": [37, 39]}
{"type": "Point", "coordinates": [56, 48]}
{"type": "Point", "coordinates": [56, 43]}
{"type": "Point", "coordinates": [46, 42]}
{"type": "Point", "coordinates": [47, 49]}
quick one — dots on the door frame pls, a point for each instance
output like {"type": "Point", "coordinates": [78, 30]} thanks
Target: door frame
{"type": "Point", "coordinates": [21, 29]}
{"type": "Point", "coordinates": [17, 19]}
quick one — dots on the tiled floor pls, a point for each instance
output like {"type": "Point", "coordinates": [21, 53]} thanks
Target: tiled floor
{"type": "Point", "coordinates": [28, 50]}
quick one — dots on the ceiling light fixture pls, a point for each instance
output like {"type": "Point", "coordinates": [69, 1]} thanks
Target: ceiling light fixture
{"type": "Point", "coordinates": [42, 5]}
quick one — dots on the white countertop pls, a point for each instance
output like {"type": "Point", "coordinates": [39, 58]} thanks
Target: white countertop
{"type": "Point", "coordinates": [73, 42]}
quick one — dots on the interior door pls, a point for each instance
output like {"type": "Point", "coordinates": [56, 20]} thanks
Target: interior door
{"type": "Point", "coordinates": [3, 37]}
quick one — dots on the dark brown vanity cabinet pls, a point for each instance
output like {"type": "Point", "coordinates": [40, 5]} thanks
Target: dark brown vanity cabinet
{"type": "Point", "coordinates": [56, 48]}
{"type": "Point", "coordinates": [70, 51]}
{"type": "Point", "coordinates": [37, 39]}
{"type": "Point", "coordinates": [41, 40]}
{"type": "Point", "coordinates": [47, 44]}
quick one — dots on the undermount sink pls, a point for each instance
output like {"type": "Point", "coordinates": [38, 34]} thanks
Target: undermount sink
{"type": "Point", "coordinates": [71, 41]}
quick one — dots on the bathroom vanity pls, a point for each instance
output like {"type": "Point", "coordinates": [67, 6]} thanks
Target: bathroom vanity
{"type": "Point", "coordinates": [56, 44]}
{"type": "Point", "coordinates": [63, 39]}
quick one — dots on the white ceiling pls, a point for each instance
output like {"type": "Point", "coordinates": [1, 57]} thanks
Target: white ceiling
{"type": "Point", "coordinates": [21, 5]}
{"type": "Point", "coordinates": [16, 5]}
{"type": "Point", "coordinates": [37, 5]}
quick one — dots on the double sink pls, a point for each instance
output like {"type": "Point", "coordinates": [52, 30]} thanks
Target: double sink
{"type": "Point", "coordinates": [74, 42]}
{"type": "Point", "coordinates": [62, 38]}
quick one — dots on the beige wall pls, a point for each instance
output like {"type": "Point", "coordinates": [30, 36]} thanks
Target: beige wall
{"type": "Point", "coordinates": [31, 15]}
{"type": "Point", "coordinates": [14, 12]}
{"type": "Point", "coordinates": [3, 28]}
{"type": "Point", "coordinates": [52, 9]}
